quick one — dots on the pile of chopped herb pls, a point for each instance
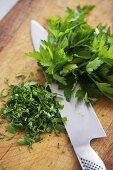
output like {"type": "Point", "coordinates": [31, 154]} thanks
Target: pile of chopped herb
{"type": "Point", "coordinates": [76, 52]}
{"type": "Point", "coordinates": [32, 108]}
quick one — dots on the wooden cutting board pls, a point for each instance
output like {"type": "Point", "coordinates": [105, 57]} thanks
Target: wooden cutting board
{"type": "Point", "coordinates": [54, 153]}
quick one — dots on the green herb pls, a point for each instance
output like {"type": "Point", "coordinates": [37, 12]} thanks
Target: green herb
{"type": "Point", "coordinates": [75, 53]}
{"type": "Point", "coordinates": [11, 137]}
{"type": "Point", "coordinates": [6, 80]}
{"type": "Point", "coordinates": [1, 93]}
{"type": "Point", "coordinates": [1, 122]}
{"type": "Point", "coordinates": [10, 128]}
{"type": "Point", "coordinates": [34, 109]}
{"type": "Point", "coordinates": [31, 74]}
{"type": "Point", "coordinates": [22, 76]}
{"type": "Point", "coordinates": [3, 168]}
{"type": "Point", "coordinates": [2, 135]}
{"type": "Point", "coordinates": [28, 140]}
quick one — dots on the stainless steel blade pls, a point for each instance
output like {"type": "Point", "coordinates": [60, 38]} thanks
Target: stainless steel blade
{"type": "Point", "coordinates": [83, 123]}
{"type": "Point", "coordinates": [38, 33]}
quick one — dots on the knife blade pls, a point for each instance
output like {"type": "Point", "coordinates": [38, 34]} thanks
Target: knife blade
{"type": "Point", "coordinates": [83, 124]}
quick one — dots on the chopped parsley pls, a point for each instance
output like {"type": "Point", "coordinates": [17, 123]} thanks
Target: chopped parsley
{"type": "Point", "coordinates": [32, 108]}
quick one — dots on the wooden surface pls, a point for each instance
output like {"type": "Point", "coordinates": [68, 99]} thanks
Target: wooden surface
{"type": "Point", "coordinates": [15, 40]}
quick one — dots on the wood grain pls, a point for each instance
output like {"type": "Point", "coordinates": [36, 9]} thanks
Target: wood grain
{"type": "Point", "coordinates": [15, 40]}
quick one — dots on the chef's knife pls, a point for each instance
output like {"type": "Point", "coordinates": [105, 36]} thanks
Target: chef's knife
{"type": "Point", "coordinates": [82, 125]}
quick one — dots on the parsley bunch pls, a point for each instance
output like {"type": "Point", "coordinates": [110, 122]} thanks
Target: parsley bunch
{"type": "Point", "coordinates": [34, 109]}
{"type": "Point", "coordinates": [76, 52]}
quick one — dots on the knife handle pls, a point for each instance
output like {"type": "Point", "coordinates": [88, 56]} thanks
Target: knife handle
{"type": "Point", "coordinates": [89, 159]}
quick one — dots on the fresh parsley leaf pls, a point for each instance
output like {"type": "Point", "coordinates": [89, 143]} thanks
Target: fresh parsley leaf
{"type": "Point", "coordinates": [110, 79]}
{"type": "Point", "coordinates": [59, 79]}
{"type": "Point", "coordinates": [75, 51]}
{"type": "Point", "coordinates": [105, 87]}
{"type": "Point", "coordinates": [67, 69]}
{"type": "Point", "coordinates": [80, 94]}
{"type": "Point", "coordinates": [10, 128]}
{"type": "Point", "coordinates": [93, 65]}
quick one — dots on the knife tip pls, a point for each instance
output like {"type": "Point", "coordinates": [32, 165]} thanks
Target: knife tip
{"type": "Point", "coordinates": [33, 21]}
